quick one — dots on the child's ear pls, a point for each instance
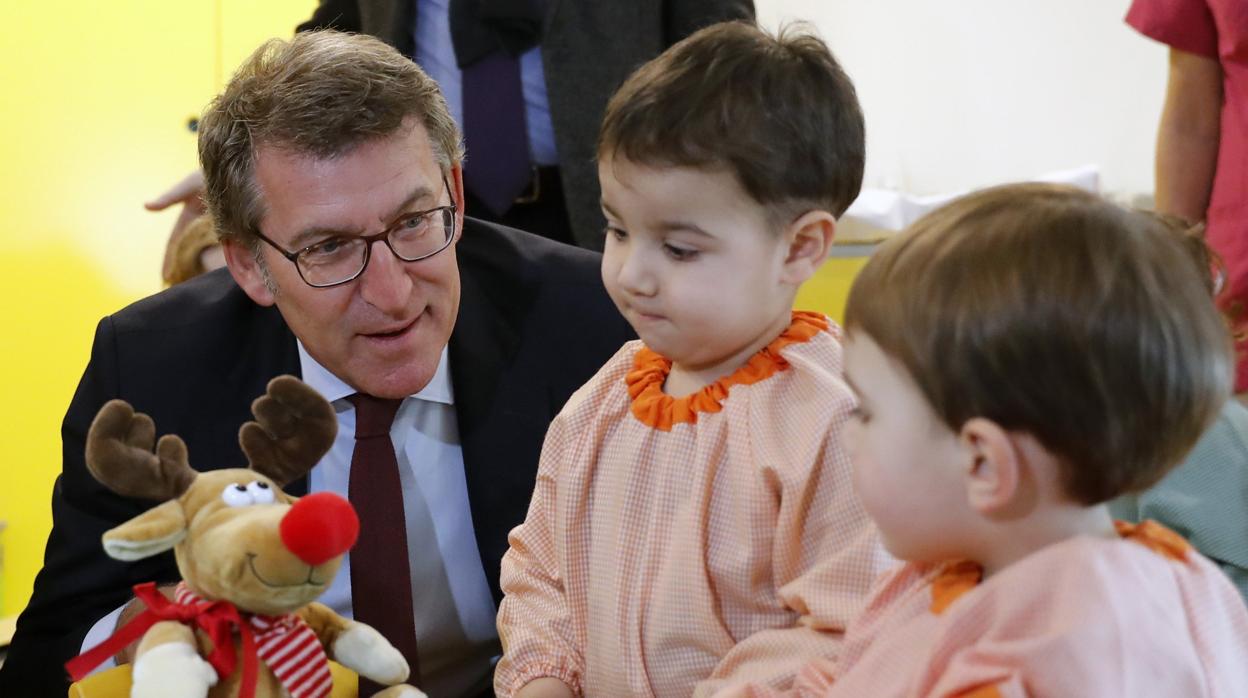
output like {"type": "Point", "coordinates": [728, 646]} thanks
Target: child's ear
{"type": "Point", "coordinates": [994, 478]}
{"type": "Point", "coordinates": [245, 268]}
{"type": "Point", "coordinates": [809, 240]}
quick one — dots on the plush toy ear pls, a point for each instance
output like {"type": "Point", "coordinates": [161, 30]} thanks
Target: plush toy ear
{"type": "Point", "coordinates": [147, 534]}
{"type": "Point", "coordinates": [294, 427]}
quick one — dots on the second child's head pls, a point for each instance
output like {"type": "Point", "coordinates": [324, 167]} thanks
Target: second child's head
{"type": "Point", "coordinates": [724, 164]}
{"type": "Point", "coordinates": [1023, 355]}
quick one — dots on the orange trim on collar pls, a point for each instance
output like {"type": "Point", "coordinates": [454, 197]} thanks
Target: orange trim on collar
{"type": "Point", "coordinates": [980, 692]}
{"type": "Point", "coordinates": [1156, 538]}
{"type": "Point", "coordinates": [955, 580]}
{"type": "Point", "coordinates": [656, 409]}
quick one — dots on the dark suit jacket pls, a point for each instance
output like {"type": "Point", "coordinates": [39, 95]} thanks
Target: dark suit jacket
{"type": "Point", "coordinates": [534, 324]}
{"type": "Point", "coordinates": [588, 48]}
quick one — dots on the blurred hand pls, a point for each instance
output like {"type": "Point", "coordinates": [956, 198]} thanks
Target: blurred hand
{"type": "Point", "coordinates": [129, 613]}
{"type": "Point", "coordinates": [188, 192]}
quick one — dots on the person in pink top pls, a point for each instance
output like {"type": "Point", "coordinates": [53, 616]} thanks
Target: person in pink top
{"type": "Point", "coordinates": [694, 525]}
{"type": "Point", "coordinates": [1202, 141]}
{"type": "Point", "coordinates": [1022, 356]}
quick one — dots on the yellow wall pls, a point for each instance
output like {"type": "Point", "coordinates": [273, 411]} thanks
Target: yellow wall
{"type": "Point", "coordinates": [92, 122]}
{"type": "Point", "coordinates": [828, 289]}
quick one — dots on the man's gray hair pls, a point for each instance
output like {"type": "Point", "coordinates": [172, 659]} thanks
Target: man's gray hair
{"type": "Point", "coordinates": [320, 94]}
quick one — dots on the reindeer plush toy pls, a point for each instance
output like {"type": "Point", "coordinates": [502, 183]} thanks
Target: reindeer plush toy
{"type": "Point", "coordinates": [252, 559]}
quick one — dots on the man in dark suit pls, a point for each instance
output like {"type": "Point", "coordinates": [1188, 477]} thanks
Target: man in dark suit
{"type": "Point", "coordinates": [333, 171]}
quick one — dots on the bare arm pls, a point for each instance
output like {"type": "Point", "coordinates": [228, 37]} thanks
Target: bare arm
{"type": "Point", "coordinates": [189, 193]}
{"type": "Point", "coordinates": [545, 687]}
{"type": "Point", "coordinates": [1188, 137]}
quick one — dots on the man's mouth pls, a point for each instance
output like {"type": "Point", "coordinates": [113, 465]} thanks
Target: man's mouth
{"type": "Point", "coordinates": [392, 333]}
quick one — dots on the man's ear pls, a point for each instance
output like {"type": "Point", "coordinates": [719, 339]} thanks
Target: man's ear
{"type": "Point", "coordinates": [994, 478]}
{"type": "Point", "coordinates": [809, 241]}
{"type": "Point", "coordinates": [457, 195]}
{"type": "Point", "coordinates": [245, 269]}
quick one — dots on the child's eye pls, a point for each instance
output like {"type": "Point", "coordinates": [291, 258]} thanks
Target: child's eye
{"type": "Point", "coordinates": [680, 254]}
{"type": "Point", "coordinates": [616, 233]}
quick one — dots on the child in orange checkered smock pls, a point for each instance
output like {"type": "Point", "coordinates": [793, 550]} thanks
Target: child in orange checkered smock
{"type": "Point", "coordinates": [1021, 357]}
{"type": "Point", "coordinates": [694, 525]}
{"type": "Point", "coordinates": [1143, 615]}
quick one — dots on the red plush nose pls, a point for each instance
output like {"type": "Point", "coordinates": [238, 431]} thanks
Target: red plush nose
{"type": "Point", "coordinates": [319, 527]}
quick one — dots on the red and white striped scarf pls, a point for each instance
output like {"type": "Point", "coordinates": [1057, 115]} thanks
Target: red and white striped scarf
{"type": "Point", "coordinates": [287, 646]}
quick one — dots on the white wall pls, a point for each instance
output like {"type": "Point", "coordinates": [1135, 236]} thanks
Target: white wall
{"type": "Point", "coordinates": [969, 93]}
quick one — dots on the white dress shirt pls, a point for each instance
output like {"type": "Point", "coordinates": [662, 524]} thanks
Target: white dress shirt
{"type": "Point", "coordinates": [451, 598]}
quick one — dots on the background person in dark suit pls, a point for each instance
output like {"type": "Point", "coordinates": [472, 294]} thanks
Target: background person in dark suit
{"type": "Point", "coordinates": [315, 144]}
{"type": "Point", "coordinates": [571, 56]}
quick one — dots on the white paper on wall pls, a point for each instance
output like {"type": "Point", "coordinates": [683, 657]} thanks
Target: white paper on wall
{"type": "Point", "coordinates": [878, 213]}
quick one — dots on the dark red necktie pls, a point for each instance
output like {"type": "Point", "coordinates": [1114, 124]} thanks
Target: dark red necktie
{"type": "Point", "coordinates": [381, 587]}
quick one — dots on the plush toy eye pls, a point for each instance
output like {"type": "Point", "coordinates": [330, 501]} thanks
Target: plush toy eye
{"type": "Point", "coordinates": [236, 495]}
{"type": "Point", "coordinates": [260, 492]}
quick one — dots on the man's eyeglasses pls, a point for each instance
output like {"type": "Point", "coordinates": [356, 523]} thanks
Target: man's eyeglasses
{"type": "Point", "coordinates": [337, 260]}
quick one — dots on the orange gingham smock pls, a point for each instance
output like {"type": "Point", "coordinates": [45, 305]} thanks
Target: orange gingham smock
{"type": "Point", "coordinates": [730, 548]}
{"type": "Point", "coordinates": [1145, 616]}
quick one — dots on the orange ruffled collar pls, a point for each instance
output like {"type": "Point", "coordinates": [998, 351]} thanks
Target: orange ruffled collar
{"type": "Point", "coordinates": [656, 409]}
{"type": "Point", "coordinates": [957, 578]}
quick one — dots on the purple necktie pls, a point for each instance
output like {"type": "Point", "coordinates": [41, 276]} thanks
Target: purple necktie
{"type": "Point", "coordinates": [497, 169]}
{"type": "Point", "coordinates": [381, 587]}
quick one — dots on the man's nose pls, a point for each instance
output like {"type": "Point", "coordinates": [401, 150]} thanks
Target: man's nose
{"type": "Point", "coordinates": [385, 283]}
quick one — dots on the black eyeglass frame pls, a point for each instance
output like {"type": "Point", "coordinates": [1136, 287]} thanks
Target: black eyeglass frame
{"type": "Point", "coordinates": [448, 210]}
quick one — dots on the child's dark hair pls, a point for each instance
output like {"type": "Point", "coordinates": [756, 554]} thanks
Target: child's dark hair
{"type": "Point", "coordinates": [1053, 312]}
{"type": "Point", "coordinates": [778, 112]}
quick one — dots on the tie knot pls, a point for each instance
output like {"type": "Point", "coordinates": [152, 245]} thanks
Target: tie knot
{"type": "Point", "coordinates": [373, 415]}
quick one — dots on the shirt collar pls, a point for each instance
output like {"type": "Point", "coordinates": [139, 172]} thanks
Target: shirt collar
{"type": "Point", "coordinates": [438, 389]}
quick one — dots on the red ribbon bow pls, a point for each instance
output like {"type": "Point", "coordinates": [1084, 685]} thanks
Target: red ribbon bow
{"type": "Point", "coordinates": [217, 619]}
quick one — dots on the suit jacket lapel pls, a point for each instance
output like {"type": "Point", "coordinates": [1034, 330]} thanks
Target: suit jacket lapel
{"type": "Point", "coordinates": [481, 340]}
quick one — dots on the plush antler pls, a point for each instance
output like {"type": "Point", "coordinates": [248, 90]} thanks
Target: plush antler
{"type": "Point", "coordinates": [119, 455]}
{"type": "Point", "coordinates": [294, 427]}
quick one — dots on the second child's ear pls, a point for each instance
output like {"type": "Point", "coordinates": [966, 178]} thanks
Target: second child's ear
{"type": "Point", "coordinates": [809, 240]}
{"type": "Point", "coordinates": [998, 484]}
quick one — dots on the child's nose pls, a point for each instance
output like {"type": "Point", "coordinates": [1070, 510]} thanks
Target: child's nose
{"type": "Point", "coordinates": [319, 527]}
{"type": "Point", "coordinates": [635, 276]}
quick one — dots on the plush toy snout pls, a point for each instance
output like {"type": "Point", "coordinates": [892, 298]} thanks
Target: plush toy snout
{"type": "Point", "coordinates": [319, 527]}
